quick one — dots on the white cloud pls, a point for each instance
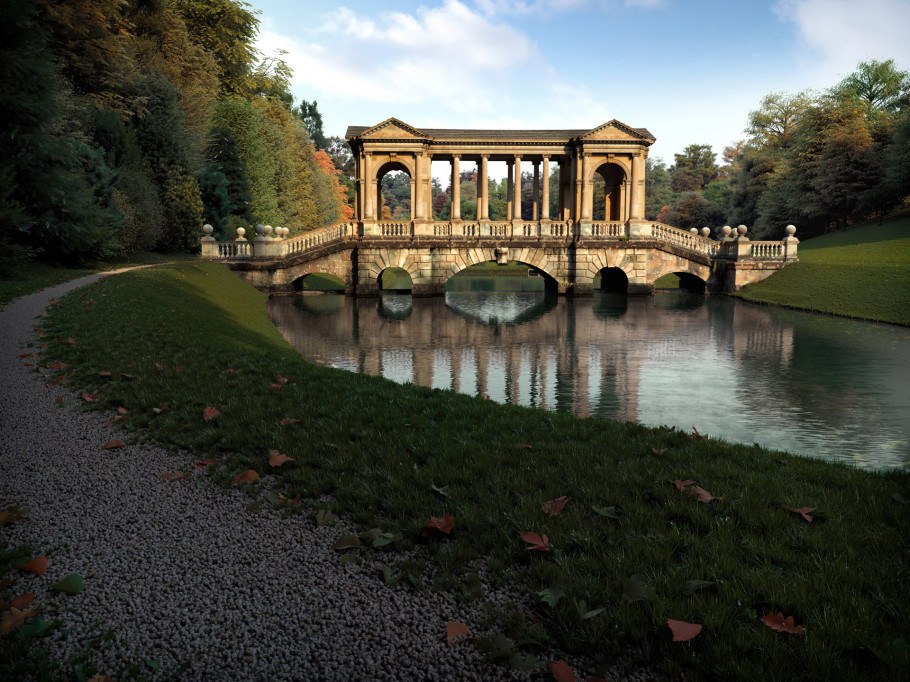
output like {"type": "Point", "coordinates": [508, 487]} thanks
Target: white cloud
{"type": "Point", "coordinates": [491, 7]}
{"type": "Point", "coordinates": [841, 33]}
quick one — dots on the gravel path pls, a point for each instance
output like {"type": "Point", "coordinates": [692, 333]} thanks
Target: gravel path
{"type": "Point", "coordinates": [181, 574]}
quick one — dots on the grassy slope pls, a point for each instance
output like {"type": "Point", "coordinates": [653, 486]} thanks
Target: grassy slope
{"type": "Point", "coordinates": [377, 447]}
{"type": "Point", "coordinates": [863, 272]}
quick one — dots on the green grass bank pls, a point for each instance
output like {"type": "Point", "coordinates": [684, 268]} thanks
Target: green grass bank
{"type": "Point", "coordinates": [863, 272]}
{"type": "Point", "coordinates": [192, 335]}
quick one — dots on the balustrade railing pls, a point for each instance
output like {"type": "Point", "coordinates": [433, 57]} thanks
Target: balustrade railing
{"type": "Point", "coordinates": [766, 250]}
{"type": "Point", "coordinates": [395, 229]}
{"type": "Point", "coordinates": [687, 240]}
{"type": "Point", "coordinates": [234, 250]}
{"type": "Point", "coordinates": [309, 240]}
{"type": "Point", "coordinates": [608, 229]}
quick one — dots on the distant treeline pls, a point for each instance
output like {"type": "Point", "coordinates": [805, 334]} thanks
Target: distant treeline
{"type": "Point", "coordinates": [127, 124]}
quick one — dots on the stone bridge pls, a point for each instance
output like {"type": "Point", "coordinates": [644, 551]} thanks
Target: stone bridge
{"type": "Point", "coordinates": [580, 245]}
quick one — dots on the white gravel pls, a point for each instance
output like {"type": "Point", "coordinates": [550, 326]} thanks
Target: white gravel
{"type": "Point", "coordinates": [181, 574]}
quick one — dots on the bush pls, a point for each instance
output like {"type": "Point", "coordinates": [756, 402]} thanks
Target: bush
{"type": "Point", "coordinates": [184, 218]}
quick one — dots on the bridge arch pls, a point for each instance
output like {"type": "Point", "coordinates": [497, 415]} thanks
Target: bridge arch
{"type": "Point", "coordinates": [693, 276]}
{"type": "Point", "coordinates": [533, 258]}
{"type": "Point", "coordinates": [395, 279]}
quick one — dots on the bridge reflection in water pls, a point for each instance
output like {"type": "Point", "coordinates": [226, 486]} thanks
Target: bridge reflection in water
{"type": "Point", "coordinates": [825, 387]}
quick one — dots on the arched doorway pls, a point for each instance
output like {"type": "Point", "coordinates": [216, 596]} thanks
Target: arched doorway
{"type": "Point", "coordinates": [394, 193]}
{"type": "Point", "coordinates": [607, 192]}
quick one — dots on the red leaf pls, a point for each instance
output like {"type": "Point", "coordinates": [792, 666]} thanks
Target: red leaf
{"type": "Point", "coordinates": [702, 494]}
{"type": "Point", "coordinates": [536, 541]}
{"type": "Point", "coordinates": [682, 631]}
{"type": "Point", "coordinates": [210, 413]}
{"type": "Point", "coordinates": [781, 624]}
{"type": "Point", "coordinates": [276, 459]}
{"type": "Point", "coordinates": [562, 672]}
{"type": "Point", "coordinates": [230, 371]}
{"type": "Point", "coordinates": [88, 397]}
{"type": "Point", "coordinates": [23, 601]}
{"type": "Point", "coordinates": [681, 485]}
{"type": "Point", "coordinates": [457, 632]}
{"type": "Point", "coordinates": [524, 446]}
{"type": "Point", "coordinates": [37, 566]}
{"type": "Point", "coordinates": [554, 507]}
{"type": "Point", "coordinates": [445, 524]}
{"type": "Point", "coordinates": [276, 387]}
{"type": "Point", "coordinates": [802, 511]}
{"type": "Point", "coordinates": [248, 476]}
{"type": "Point", "coordinates": [284, 380]}
{"type": "Point", "coordinates": [288, 420]}
{"type": "Point", "coordinates": [111, 444]}
{"type": "Point", "coordinates": [123, 410]}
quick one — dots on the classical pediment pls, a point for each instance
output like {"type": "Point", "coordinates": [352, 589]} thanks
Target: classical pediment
{"type": "Point", "coordinates": [392, 128]}
{"type": "Point", "coordinates": [616, 130]}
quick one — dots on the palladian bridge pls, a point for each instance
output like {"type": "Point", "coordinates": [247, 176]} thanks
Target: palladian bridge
{"type": "Point", "coordinates": [570, 249]}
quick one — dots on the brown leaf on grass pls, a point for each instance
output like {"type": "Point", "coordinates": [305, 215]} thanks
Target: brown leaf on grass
{"type": "Point", "coordinates": [210, 413]}
{"type": "Point", "coordinates": [562, 672]}
{"type": "Point", "coordinates": [59, 365]}
{"type": "Point", "coordinates": [126, 375]}
{"type": "Point", "coordinates": [123, 410]}
{"type": "Point", "coordinates": [23, 601]}
{"type": "Point", "coordinates": [295, 502]}
{"type": "Point", "coordinates": [276, 387]}
{"type": "Point", "coordinates": [159, 410]}
{"type": "Point", "coordinates": [158, 367]}
{"type": "Point", "coordinates": [111, 444]}
{"type": "Point", "coordinates": [682, 631]}
{"type": "Point", "coordinates": [681, 485]}
{"type": "Point", "coordinates": [248, 476]}
{"type": "Point", "coordinates": [230, 370]}
{"type": "Point", "coordinates": [288, 420]}
{"type": "Point", "coordinates": [14, 618]}
{"type": "Point", "coordinates": [444, 524]}
{"type": "Point", "coordinates": [38, 565]}
{"type": "Point", "coordinates": [802, 511]}
{"type": "Point", "coordinates": [781, 624]}
{"type": "Point", "coordinates": [88, 397]}
{"type": "Point", "coordinates": [554, 507]}
{"type": "Point", "coordinates": [535, 541]}
{"type": "Point", "coordinates": [276, 459]}
{"type": "Point", "coordinates": [457, 632]}
{"type": "Point", "coordinates": [284, 380]}
{"type": "Point", "coordinates": [524, 446]}
{"type": "Point", "coordinates": [658, 452]}
{"type": "Point", "coordinates": [702, 495]}
{"type": "Point", "coordinates": [696, 434]}
{"type": "Point", "coordinates": [103, 373]}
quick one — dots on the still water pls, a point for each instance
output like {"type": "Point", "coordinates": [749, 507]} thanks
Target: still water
{"type": "Point", "coordinates": [810, 384]}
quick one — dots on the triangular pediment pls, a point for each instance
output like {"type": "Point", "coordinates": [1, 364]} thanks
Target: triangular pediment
{"type": "Point", "coordinates": [616, 130]}
{"type": "Point", "coordinates": [392, 128]}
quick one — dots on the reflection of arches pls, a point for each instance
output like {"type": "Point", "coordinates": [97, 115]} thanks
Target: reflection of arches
{"type": "Point", "coordinates": [395, 306]}
{"type": "Point", "coordinates": [493, 308]}
{"type": "Point", "coordinates": [613, 280]}
{"type": "Point", "coordinates": [395, 279]}
{"type": "Point", "coordinates": [398, 166]}
{"type": "Point", "coordinates": [527, 278]}
{"type": "Point", "coordinates": [608, 192]}
{"type": "Point", "coordinates": [327, 304]}
{"type": "Point", "coordinates": [318, 281]}
{"type": "Point", "coordinates": [608, 305]}
{"type": "Point", "coordinates": [534, 258]}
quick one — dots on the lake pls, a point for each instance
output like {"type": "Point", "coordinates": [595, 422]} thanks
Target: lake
{"type": "Point", "coordinates": [810, 384]}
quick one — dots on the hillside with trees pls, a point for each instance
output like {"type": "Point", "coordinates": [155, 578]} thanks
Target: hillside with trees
{"type": "Point", "coordinates": [129, 123]}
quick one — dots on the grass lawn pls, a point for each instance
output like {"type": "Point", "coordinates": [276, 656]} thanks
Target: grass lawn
{"type": "Point", "coordinates": [863, 272]}
{"type": "Point", "coordinates": [628, 541]}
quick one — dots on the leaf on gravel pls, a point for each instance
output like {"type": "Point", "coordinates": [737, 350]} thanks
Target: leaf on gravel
{"type": "Point", "coordinates": [693, 586]}
{"type": "Point", "coordinates": [88, 397]}
{"type": "Point", "coordinates": [444, 524]}
{"type": "Point", "coordinates": [35, 628]}
{"type": "Point", "coordinates": [7, 517]}
{"type": "Point", "coordinates": [347, 542]}
{"type": "Point", "coordinates": [457, 632]}
{"type": "Point", "coordinates": [781, 624]}
{"type": "Point", "coordinates": [210, 413]}
{"type": "Point", "coordinates": [348, 559]}
{"type": "Point", "coordinates": [23, 601]}
{"type": "Point", "coordinates": [802, 511]}
{"type": "Point", "coordinates": [682, 631]}
{"type": "Point", "coordinates": [171, 476]}
{"type": "Point", "coordinates": [371, 534]}
{"type": "Point", "coordinates": [324, 516]}
{"type": "Point", "coordinates": [71, 584]}
{"type": "Point", "coordinates": [288, 420]}
{"type": "Point", "coordinates": [386, 539]}
{"type": "Point", "coordinates": [248, 476]}
{"type": "Point", "coordinates": [37, 565]}
{"type": "Point", "coordinates": [562, 672]}
{"type": "Point", "coordinates": [14, 618]}
{"type": "Point", "coordinates": [609, 512]}
{"type": "Point", "coordinates": [535, 541]}
{"type": "Point", "coordinates": [554, 507]}
{"type": "Point", "coordinates": [276, 459]}
{"type": "Point", "coordinates": [111, 444]}
{"type": "Point", "coordinates": [442, 491]}
{"type": "Point", "coordinates": [253, 506]}
{"type": "Point", "coordinates": [100, 678]}
{"type": "Point", "coordinates": [638, 587]}
{"type": "Point", "coordinates": [497, 646]}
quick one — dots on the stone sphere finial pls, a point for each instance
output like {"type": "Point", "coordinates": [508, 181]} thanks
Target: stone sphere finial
{"type": "Point", "coordinates": [208, 229]}
{"type": "Point", "coordinates": [260, 229]}
{"type": "Point", "coordinates": [742, 229]}
{"type": "Point", "coordinates": [705, 231]}
{"type": "Point", "coordinates": [726, 229]}
{"type": "Point", "coordinates": [693, 230]}
{"type": "Point", "coordinates": [241, 232]}
{"type": "Point", "coordinates": [791, 230]}
{"type": "Point", "coordinates": [268, 230]}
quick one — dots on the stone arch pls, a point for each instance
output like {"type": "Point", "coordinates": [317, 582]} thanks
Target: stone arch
{"type": "Point", "coordinates": [688, 270]}
{"type": "Point", "coordinates": [612, 279]}
{"type": "Point", "coordinates": [615, 176]}
{"type": "Point", "coordinates": [402, 164]}
{"type": "Point", "coordinates": [465, 258]}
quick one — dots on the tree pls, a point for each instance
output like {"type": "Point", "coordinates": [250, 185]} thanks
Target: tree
{"type": "Point", "coordinates": [657, 187]}
{"type": "Point", "coordinates": [777, 116]}
{"type": "Point", "coordinates": [879, 84]}
{"type": "Point", "coordinates": [340, 152]}
{"type": "Point", "coordinates": [694, 168]}
{"type": "Point", "coordinates": [308, 112]}
{"type": "Point", "coordinates": [691, 209]}
{"type": "Point", "coordinates": [747, 184]}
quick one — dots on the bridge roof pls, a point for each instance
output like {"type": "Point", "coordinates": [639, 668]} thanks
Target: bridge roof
{"type": "Point", "coordinates": [496, 135]}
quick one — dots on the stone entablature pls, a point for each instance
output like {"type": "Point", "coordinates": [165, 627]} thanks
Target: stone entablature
{"type": "Point", "coordinates": [614, 150]}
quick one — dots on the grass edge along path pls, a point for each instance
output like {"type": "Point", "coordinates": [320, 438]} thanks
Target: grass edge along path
{"type": "Point", "coordinates": [862, 273]}
{"type": "Point", "coordinates": [639, 542]}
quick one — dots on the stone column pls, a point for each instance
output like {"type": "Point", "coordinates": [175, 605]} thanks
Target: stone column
{"type": "Point", "coordinates": [561, 190]}
{"type": "Point", "coordinates": [535, 202]}
{"type": "Point", "coordinates": [638, 188]}
{"type": "Point", "coordinates": [368, 187]}
{"type": "Point", "coordinates": [413, 197]}
{"type": "Point", "coordinates": [516, 203]}
{"type": "Point", "coordinates": [509, 190]}
{"type": "Point", "coordinates": [545, 201]}
{"type": "Point", "coordinates": [587, 194]}
{"type": "Point", "coordinates": [429, 180]}
{"type": "Point", "coordinates": [575, 205]}
{"type": "Point", "coordinates": [379, 203]}
{"type": "Point", "coordinates": [358, 191]}
{"type": "Point", "coordinates": [483, 187]}
{"type": "Point", "coordinates": [456, 189]}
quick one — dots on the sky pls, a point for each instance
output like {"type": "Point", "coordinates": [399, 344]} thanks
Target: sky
{"type": "Point", "coordinates": [689, 71]}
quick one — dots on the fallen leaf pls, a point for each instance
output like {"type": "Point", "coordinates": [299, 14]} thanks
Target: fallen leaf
{"type": "Point", "coordinates": [554, 507]}
{"type": "Point", "coordinates": [203, 463]}
{"type": "Point", "coordinates": [682, 631]}
{"type": "Point", "coordinates": [37, 565]}
{"type": "Point", "coordinates": [275, 386]}
{"type": "Point", "coordinates": [445, 524]}
{"type": "Point", "coordinates": [276, 459]}
{"type": "Point", "coordinates": [442, 491]}
{"type": "Point", "coordinates": [230, 371]}
{"type": "Point", "coordinates": [457, 632]}
{"type": "Point", "coordinates": [609, 512]}
{"type": "Point", "coordinates": [540, 543]}
{"type": "Point", "coordinates": [658, 452]}
{"type": "Point", "coordinates": [681, 485]}
{"type": "Point", "coordinates": [802, 511]}
{"type": "Point", "coordinates": [14, 618]}
{"type": "Point", "coordinates": [71, 584]}
{"type": "Point", "coordinates": [103, 373]}
{"type": "Point", "coordinates": [172, 476]}
{"type": "Point", "coordinates": [702, 495]}
{"type": "Point", "coordinates": [100, 678]}
{"type": "Point", "coordinates": [158, 367]}
{"type": "Point", "coordinates": [159, 410]}
{"type": "Point", "coordinates": [248, 476]}
{"type": "Point", "coordinates": [126, 375]}
{"type": "Point", "coordinates": [210, 413]}
{"type": "Point", "coordinates": [29, 355]}
{"type": "Point", "coordinates": [111, 444]}
{"type": "Point", "coordinates": [288, 420]}
{"type": "Point", "coordinates": [123, 410]}
{"type": "Point", "coordinates": [23, 601]}
{"type": "Point", "coordinates": [524, 446]}
{"type": "Point", "coordinates": [562, 672]}
{"type": "Point", "coordinates": [282, 380]}
{"type": "Point", "coordinates": [7, 517]}
{"type": "Point", "coordinates": [324, 516]}
{"type": "Point", "coordinates": [347, 542]}
{"type": "Point", "coordinates": [781, 624]}
{"type": "Point", "coordinates": [696, 434]}
{"type": "Point", "coordinates": [88, 397]}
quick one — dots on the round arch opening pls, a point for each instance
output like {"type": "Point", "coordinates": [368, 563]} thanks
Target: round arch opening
{"type": "Point", "coordinates": [395, 192]}
{"type": "Point", "coordinates": [612, 280]}
{"type": "Point", "coordinates": [492, 277]}
{"type": "Point", "coordinates": [319, 282]}
{"type": "Point", "coordinates": [607, 192]}
{"type": "Point", "coordinates": [396, 281]}
{"type": "Point", "coordinates": [684, 281]}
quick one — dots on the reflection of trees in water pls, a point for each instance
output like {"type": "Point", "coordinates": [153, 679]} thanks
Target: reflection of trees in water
{"type": "Point", "coordinates": [495, 308]}
{"type": "Point", "coordinates": [319, 304]}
